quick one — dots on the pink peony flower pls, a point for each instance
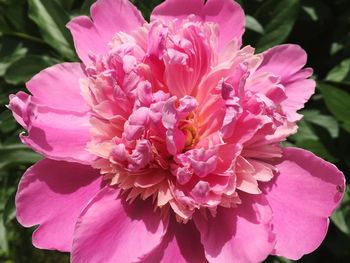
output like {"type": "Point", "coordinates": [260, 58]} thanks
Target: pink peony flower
{"type": "Point", "coordinates": [163, 145]}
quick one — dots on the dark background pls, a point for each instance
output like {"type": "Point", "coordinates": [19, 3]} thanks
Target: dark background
{"type": "Point", "coordinates": [33, 36]}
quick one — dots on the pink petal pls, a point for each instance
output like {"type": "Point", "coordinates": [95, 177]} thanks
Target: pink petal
{"type": "Point", "coordinates": [298, 93]}
{"type": "Point", "coordinates": [108, 18]}
{"type": "Point", "coordinates": [287, 62]}
{"type": "Point", "coordinates": [58, 135]}
{"type": "Point", "coordinates": [284, 60]}
{"type": "Point", "coordinates": [182, 242]}
{"type": "Point", "coordinates": [302, 197]}
{"type": "Point", "coordinates": [229, 16]}
{"type": "Point", "coordinates": [241, 234]}
{"type": "Point", "coordinates": [18, 105]}
{"type": "Point", "coordinates": [226, 13]}
{"type": "Point", "coordinates": [58, 87]}
{"type": "Point", "coordinates": [180, 9]}
{"type": "Point", "coordinates": [52, 194]}
{"type": "Point", "coordinates": [56, 115]}
{"type": "Point", "coordinates": [110, 230]}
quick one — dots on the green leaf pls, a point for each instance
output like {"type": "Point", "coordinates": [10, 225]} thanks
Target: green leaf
{"type": "Point", "coordinates": [278, 18]}
{"type": "Point", "coordinates": [308, 138]}
{"type": "Point", "coordinates": [325, 121]}
{"type": "Point", "coordinates": [335, 48]}
{"type": "Point", "coordinates": [6, 62]}
{"type": "Point", "coordinates": [51, 19]}
{"type": "Point", "coordinates": [13, 9]}
{"type": "Point", "coordinates": [9, 212]}
{"type": "Point", "coordinates": [24, 69]}
{"type": "Point", "coordinates": [3, 237]}
{"type": "Point", "coordinates": [311, 12]}
{"type": "Point", "coordinates": [66, 4]}
{"type": "Point", "coordinates": [305, 132]}
{"type": "Point", "coordinates": [12, 155]}
{"type": "Point", "coordinates": [280, 260]}
{"type": "Point", "coordinates": [253, 24]}
{"type": "Point", "coordinates": [86, 6]}
{"type": "Point", "coordinates": [318, 148]}
{"type": "Point", "coordinates": [346, 126]}
{"type": "Point", "coordinates": [337, 101]}
{"type": "Point", "coordinates": [341, 217]}
{"type": "Point", "coordinates": [340, 73]}
{"type": "Point", "coordinates": [7, 122]}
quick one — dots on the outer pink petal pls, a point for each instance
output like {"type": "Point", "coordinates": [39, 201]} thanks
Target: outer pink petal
{"type": "Point", "coordinates": [304, 194]}
{"type": "Point", "coordinates": [298, 93]}
{"type": "Point", "coordinates": [108, 18]}
{"type": "Point", "coordinates": [227, 13]}
{"type": "Point", "coordinates": [56, 134]}
{"type": "Point", "coordinates": [59, 135]}
{"type": "Point", "coordinates": [241, 234]}
{"type": "Point", "coordinates": [58, 87]}
{"type": "Point", "coordinates": [284, 60]}
{"type": "Point", "coordinates": [52, 194]}
{"type": "Point", "coordinates": [56, 115]}
{"type": "Point", "coordinates": [287, 62]}
{"type": "Point", "coordinates": [111, 230]}
{"type": "Point", "coordinates": [181, 244]}
{"type": "Point", "coordinates": [230, 17]}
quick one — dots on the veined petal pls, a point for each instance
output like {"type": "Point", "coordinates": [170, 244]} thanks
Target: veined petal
{"type": "Point", "coordinates": [56, 115]}
{"type": "Point", "coordinates": [108, 18]}
{"type": "Point", "coordinates": [111, 230]}
{"type": "Point", "coordinates": [226, 13]}
{"type": "Point", "coordinates": [287, 61]}
{"type": "Point", "coordinates": [241, 234]}
{"type": "Point", "coordinates": [181, 243]}
{"type": "Point", "coordinates": [52, 194]}
{"type": "Point", "coordinates": [302, 196]}
{"type": "Point", "coordinates": [58, 87]}
{"type": "Point", "coordinates": [51, 131]}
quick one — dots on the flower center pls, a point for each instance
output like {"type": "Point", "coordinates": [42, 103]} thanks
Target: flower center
{"type": "Point", "coordinates": [189, 128]}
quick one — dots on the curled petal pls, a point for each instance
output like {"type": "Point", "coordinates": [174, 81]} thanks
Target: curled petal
{"type": "Point", "coordinates": [287, 61]}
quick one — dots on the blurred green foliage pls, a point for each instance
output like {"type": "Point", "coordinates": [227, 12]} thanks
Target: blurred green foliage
{"type": "Point", "coordinates": [33, 36]}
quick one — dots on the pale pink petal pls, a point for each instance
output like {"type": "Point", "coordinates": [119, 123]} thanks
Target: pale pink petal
{"type": "Point", "coordinates": [111, 230]}
{"type": "Point", "coordinates": [226, 13]}
{"type": "Point", "coordinates": [171, 116]}
{"type": "Point", "coordinates": [287, 61]}
{"type": "Point", "coordinates": [302, 196]}
{"type": "Point", "coordinates": [181, 245]}
{"type": "Point", "coordinates": [108, 18]}
{"type": "Point", "coordinates": [52, 194]}
{"type": "Point", "coordinates": [241, 234]}
{"type": "Point", "coordinates": [58, 87]}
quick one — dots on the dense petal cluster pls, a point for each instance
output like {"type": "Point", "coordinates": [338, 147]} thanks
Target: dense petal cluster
{"type": "Point", "coordinates": [166, 142]}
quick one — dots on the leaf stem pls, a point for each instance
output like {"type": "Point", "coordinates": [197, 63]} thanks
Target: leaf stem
{"type": "Point", "coordinates": [25, 36]}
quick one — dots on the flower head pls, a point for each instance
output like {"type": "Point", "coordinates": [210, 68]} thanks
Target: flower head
{"type": "Point", "coordinates": [165, 142]}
